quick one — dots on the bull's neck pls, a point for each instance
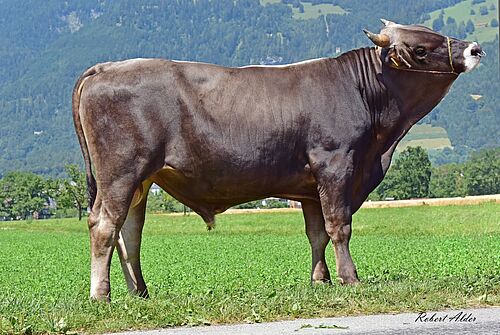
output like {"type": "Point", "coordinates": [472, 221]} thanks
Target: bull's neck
{"type": "Point", "coordinates": [395, 99]}
{"type": "Point", "coordinates": [363, 67]}
{"type": "Point", "coordinates": [415, 93]}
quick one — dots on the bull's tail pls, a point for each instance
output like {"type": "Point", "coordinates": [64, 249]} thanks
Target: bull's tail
{"type": "Point", "coordinates": [77, 91]}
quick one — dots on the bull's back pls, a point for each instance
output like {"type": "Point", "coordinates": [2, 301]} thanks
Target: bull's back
{"type": "Point", "coordinates": [223, 130]}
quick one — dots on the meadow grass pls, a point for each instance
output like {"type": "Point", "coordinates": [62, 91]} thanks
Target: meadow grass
{"type": "Point", "coordinates": [426, 143]}
{"type": "Point", "coordinates": [426, 136]}
{"type": "Point", "coordinates": [313, 11]}
{"type": "Point", "coordinates": [310, 11]}
{"type": "Point", "coordinates": [461, 12]}
{"type": "Point", "coordinates": [265, 2]}
{"type": "Point", "coordinates": [251, 268]}
{"type": "Point", "coordinates": [422, 131]}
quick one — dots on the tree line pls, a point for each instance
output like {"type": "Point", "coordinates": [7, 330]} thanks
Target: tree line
{"type": "Point", "coordinates": [25, 195]}
{"type": "Point", "coordinates": [411, 175]}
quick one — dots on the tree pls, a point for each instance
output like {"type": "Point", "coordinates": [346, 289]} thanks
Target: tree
{"type": "Point", "coordinates": [482, 172]}
{"type": "Point", "coordinates": [469, 27]}
{"type": "Point", "coordinates": [23, 194]}
{"type": "Point", "coordinates": [483, 10]}
{"type": "Point", "coordinates": [438, 23]}
{"type": "Point", "coordinates": [447, 181]}
{"type": "Point", "coordinates": [171, 204]}
{"type": "Point", "coordinates": [156, 203]}
{"type": "Point", "coordinates": [409, 177]}
{"type": "Point", "coordinates": [494, 22]}
{"type": "Point", "coordinates": [450, 29]}
{"type": "Point", "coordinates": [461, 30]}
{"type": "Point", "coordinates": [163, 202]}
{"type": "Point", "coordinates": [72, 192]}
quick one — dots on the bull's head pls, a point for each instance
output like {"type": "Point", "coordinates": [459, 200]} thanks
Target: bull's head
{"type": "Point", "coordinates": [420, 49]}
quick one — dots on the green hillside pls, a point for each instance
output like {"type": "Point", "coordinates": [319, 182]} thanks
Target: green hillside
{"type": "Point", "coordinates": [265, 2]}
{"type": "Point", "coordinates": [426, 136]}
{"type": "Point", "coordinates": [45, 47]}
{"type": "Point", "coordinates": [471, 10]}
{"type": "Point", "coordinates": [311, 11]}
{"type": "Point", "coordinates": [305, 10]}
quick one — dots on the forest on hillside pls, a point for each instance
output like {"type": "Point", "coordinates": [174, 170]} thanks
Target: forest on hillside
{"type": "Point", "coordinates": [45, 46]}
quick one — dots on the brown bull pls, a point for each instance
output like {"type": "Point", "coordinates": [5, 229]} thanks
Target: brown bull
{"type": "Point", "coordinates": [321, 132]}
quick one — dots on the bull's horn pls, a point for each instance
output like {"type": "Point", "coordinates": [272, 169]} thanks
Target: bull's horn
{"type": "Point", "coordinates": [382, 40]}
{"type": "Point", "coordinates": [387, 22]}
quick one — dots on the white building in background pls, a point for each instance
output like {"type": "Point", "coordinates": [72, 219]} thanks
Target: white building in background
{"type": "Point", "coordinates": [155, 189]}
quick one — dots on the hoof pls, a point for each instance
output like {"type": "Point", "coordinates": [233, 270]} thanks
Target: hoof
{"type": "Point", "coordinates": [102, 294]}
{"type": "Point", "coordinates": [348, 281]}
{"type": "Point", "coordinates": [106, 298]}
{"type": "Point", "coordinates": [319, 282]}
{"type": "Point", "coordinates": [141, 293]}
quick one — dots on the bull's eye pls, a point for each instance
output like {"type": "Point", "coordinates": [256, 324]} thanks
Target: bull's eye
{"type": "Point", "coordinates": [420, 51]}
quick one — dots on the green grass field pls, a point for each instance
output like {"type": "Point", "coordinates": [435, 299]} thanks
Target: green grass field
{"type": "Point", "coordinates": [461, 12]}
{"type": "Point", "coordinates": [265, 2]}
{"type": "Point", "coordinates": [311, 11]}
{"type": "Point", "coordinates": [251, 268]}
{"type": "Point", "coordinates": [426, 136]}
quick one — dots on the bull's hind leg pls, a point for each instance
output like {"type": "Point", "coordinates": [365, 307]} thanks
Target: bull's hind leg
{"type": "Point", "coordinates": [105, 221]}
{"type": "Point", "coordinates": [129, 242]}
{"type": "Point", "coordinates": [318, 238]}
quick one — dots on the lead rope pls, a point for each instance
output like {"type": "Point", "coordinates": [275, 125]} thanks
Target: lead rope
{"type": "Point", "coordinates": [450, 58]}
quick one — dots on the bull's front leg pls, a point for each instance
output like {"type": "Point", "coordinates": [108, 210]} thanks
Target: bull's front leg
{"type": "Point", "coordinates": [333, 172]}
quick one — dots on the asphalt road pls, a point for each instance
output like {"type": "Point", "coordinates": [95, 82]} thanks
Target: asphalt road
{"type": "Point", "coordinates": [467, 321]}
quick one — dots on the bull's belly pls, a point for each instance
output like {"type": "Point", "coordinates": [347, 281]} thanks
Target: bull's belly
{"type": "Point", "coordinates": [208, 197]}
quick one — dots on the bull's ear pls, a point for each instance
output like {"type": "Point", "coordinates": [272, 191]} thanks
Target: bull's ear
{"type": "Point", "coordinates": [381, 40]}
{"type": "Point", "coordinates": [387, 23]}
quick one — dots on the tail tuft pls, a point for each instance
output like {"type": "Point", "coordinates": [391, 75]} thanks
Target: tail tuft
{"type": "Point", "coordinates": [91, 190]}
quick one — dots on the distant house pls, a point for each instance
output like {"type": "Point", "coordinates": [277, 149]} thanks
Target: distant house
{"type": "Point", "coordinates": [42, 214]}
{"type": "Point", "coordinates": [155, 189]}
